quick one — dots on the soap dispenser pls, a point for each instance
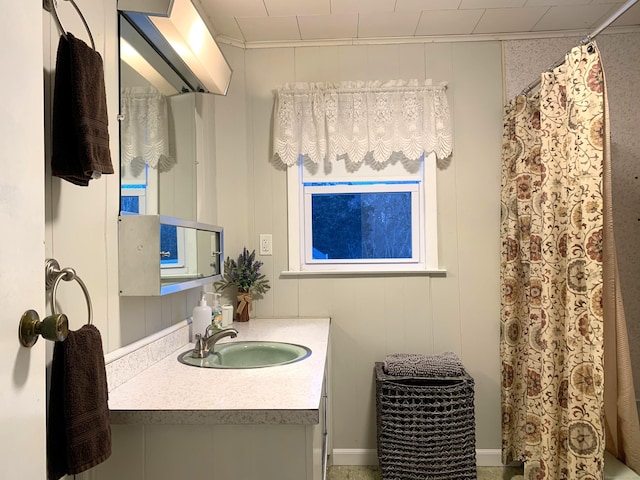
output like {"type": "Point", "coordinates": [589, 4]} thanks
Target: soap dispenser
{"type": "Point", "coordinates": [216, 312]}
{"type": "Point", "coordinates": [201, 316]}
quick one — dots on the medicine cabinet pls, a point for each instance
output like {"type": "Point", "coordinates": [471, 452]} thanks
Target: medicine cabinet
{"type": "Point", "coordinates": [161, 255]}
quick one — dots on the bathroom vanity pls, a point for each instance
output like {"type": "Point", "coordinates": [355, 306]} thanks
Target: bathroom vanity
{"type": "Point", "coordinates": [225, 424]}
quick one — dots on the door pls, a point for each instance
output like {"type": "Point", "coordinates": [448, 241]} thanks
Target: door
{"type": "Point", "coordinates": [22, 370]}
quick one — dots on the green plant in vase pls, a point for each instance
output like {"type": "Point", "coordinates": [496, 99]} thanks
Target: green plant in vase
{"type": "Point", "coordinates": [244, 274]}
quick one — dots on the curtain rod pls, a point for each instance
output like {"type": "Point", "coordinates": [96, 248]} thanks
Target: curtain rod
{"type": "Point", "coordinates": [585, 40]}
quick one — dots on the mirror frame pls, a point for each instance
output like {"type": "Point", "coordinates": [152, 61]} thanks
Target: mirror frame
{"type": "Point", "coordinates": [139, 246]}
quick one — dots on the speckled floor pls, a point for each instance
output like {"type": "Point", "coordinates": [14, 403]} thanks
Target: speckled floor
{"type": "Point", "coordinates": [342, 472]}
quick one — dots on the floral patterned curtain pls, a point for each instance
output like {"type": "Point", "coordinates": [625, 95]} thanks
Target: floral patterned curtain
{"type": "Point", "coordinates": [551, 274]}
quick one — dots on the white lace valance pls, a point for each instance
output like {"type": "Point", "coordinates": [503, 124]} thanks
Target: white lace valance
{"type": "Point", "coordinates": [145, 131]}
{"type": "Point", "coordinates": [358, 120]}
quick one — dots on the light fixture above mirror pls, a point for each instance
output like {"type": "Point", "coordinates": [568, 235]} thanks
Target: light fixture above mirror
{"type": "Point", "coordinates": [177, 32]}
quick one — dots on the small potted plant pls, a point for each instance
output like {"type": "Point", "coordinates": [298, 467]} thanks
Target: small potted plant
{"type": "Point", "coordinates": [245, 275]}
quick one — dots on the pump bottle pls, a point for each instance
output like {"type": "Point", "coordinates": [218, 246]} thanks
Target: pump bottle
{"type": "Point", "coordinates": [216, 312]}
{"type": "Point", "coordinates": [201, 318]}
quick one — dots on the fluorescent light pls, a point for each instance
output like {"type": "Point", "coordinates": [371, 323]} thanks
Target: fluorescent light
{"type": "Point", "coordinates": [136, 61]}
{"type": "Point", "coordinates": [182, 28]}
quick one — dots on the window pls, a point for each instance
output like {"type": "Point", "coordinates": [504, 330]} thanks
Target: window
{"type": "Point", "coordinates": [363, 221]}
{"type": "Point", "coordinates": [356, 202]}
{"type": "Point", "coordinates": [171, 246]}
{"type": "Point", "coordinates": [360, 222]}
{"type": "Point", "coordinates": [133, 199]}
{"type": "Point", "coordinates": [138, 189]}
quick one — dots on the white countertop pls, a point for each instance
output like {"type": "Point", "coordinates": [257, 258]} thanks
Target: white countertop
{"type": "Point", "coordinates": [170, 392]}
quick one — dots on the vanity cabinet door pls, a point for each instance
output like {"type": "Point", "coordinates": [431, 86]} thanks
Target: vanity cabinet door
{"type": "Point", "coordinates": [321, 434]}
{"type": "Point", "coordinates": [325, 421]}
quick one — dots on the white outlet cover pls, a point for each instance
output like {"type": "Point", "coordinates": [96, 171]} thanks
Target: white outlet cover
{"type": "Point", "coordinates": [265, 244]}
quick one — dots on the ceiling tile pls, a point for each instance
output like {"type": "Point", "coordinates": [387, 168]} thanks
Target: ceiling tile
{"type": "Point", "coordinates": [576, 17]}
{"type": "Point", "coordinates": [362, 6]}
{"type": "Point", "coordinates": [467, 4]}
{"type": "Point", "coordinates": [314, 27]}
{"type": "Point", "coordinates": [419, 5]}
{"type": "Point", "coordinates": [552, 3]}
{"type": "Point", "coordinates": [280, 8]}
{"type": "Point", "coordinates": [399, 18]}
{"type": "Point", "coordinates": [387, 25]}
{"type": "Point", "coordinates": [228, 27]}
{"type": "Point", "coordinates": [234, 8]}
{"type": "Point", "coordinates": [507, 20]}
{"type": "Point", "coordinates": [454, 22]}
{"type": "Point", "coordinates": [266, 29]}
{"type": "Point", "coordinates": [630, 17]}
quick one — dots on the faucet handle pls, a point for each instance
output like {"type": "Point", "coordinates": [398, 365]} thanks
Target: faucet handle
{"type": "Point", "coordinates": [208, 331]}
{"type": "Point", "coordinates": [200, 350]}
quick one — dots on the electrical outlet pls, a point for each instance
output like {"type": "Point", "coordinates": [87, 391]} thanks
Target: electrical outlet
{"type": "Point", "coordinates": [265, 244]}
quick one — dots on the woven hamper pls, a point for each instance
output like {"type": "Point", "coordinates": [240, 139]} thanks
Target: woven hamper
{"type": "Point", "coordinates": [425, 427]}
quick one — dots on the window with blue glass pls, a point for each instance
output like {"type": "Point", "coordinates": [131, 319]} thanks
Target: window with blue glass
{"type": "Point", "coordinates": [169, 255]}
{"type": "Point", "coordinates": [130, 204]}
{"type": "Point", "coordinates": [363, 220]}
{"type": "Point", "coordinates": [133, 199]}
{"type": "Point", "coordinates": [372, 225]}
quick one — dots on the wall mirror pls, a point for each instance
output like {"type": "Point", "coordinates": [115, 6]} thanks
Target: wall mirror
{"type": "Point", "coordinates": [158, 162]}
{"type": "Point", "coordinates": [166, 154]}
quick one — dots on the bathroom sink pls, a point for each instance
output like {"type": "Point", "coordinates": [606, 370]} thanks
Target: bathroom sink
{"type": "Point", "coordinates": [248, 355]}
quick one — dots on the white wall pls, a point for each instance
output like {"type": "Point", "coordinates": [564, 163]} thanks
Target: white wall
{"type": "Point", "coordinates": [233, 180]}
{"type": "Point", "coordinates": [81, 222]}
{"type": "Point", "coordinates": [372, 316]}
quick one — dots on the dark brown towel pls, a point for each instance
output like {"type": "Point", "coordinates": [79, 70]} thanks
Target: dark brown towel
{"type": "Point", "coordinates": [79, 430]}
{"type": "Point", "coordinates": [80, 123]}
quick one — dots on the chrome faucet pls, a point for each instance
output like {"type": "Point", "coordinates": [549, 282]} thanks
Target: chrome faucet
{"type": "Point", "coordinates": [205, 344]}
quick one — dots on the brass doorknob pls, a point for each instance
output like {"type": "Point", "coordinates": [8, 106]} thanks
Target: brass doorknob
{"type": "Point", "coordinates": [54, 327]}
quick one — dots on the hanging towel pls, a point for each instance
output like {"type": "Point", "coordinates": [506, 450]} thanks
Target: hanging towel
{"type": "Point", "coordinates": [445, 364]}
{"type": "Point", "coordinates": [79, 430]}
{"type": "Point", "coordinates": [80, 125]}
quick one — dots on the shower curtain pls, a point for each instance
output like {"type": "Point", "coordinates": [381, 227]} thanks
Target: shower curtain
{"type": "Point", "coordinates": [554, 212]}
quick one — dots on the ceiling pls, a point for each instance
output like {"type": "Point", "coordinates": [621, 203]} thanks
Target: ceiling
{"type": "Point", "coordinates": [261, 22]}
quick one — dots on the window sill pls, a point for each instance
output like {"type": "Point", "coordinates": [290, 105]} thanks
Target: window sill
{"type": "Point", "coordinates": [365, 273]}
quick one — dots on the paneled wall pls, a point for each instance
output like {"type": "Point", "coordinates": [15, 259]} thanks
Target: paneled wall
{"type": "Point", "coordinates": [376, 315]}
{"type": "Point", "coordinates": [81, 222]}
{"type": "Point", "coordinates": [524, 60]}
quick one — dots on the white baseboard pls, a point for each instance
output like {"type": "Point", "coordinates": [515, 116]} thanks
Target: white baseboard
{"type": "Point", "coordinates": [485, 457]}
{"type": "Point", "coordinates": [489, 457]}
{"type": "Point", "coordinates": [354, 456]}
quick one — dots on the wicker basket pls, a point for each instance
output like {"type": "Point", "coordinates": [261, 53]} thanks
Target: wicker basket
{"type": "Point", "coordinates": [426, 427]}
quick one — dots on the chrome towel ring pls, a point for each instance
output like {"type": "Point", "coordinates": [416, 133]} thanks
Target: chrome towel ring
{"type": "Point", "coordinates": [55, 327]}
{"type": "Point", "coordinates": [52, 6]}
{"type": "Point", "coordinates": [54, 274]}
